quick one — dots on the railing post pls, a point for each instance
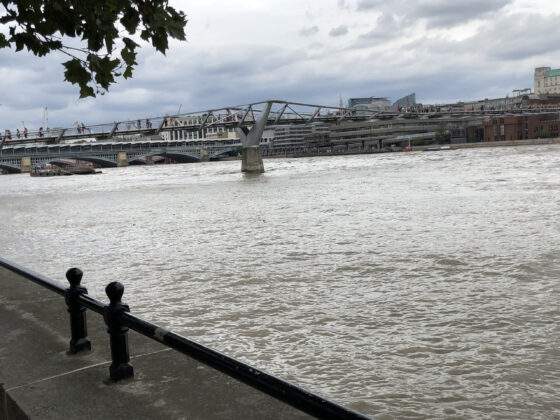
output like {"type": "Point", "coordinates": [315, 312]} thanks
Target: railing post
{"type": "Point", "coordinates": [78, 320]}
{"type": "Point", "coordinates": [118, 332]}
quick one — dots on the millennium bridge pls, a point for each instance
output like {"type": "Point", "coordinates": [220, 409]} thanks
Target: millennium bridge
{"type": "Point", "coordinates": [175, 137]}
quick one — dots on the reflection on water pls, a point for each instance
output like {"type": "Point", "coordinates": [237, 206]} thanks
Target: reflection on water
{"type": "Point", "coordinates": [413, 285]}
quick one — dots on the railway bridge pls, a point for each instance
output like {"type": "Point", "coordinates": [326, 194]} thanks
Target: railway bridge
{"type": "Point", "coordinates": [16, 159]}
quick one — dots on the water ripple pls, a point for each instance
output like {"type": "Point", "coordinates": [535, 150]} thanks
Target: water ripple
{"type": "Point", "coordinates": [412, 286]}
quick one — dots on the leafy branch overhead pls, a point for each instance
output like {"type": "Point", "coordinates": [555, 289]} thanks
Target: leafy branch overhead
{"type": "Point", "coordinates": [106, 30]}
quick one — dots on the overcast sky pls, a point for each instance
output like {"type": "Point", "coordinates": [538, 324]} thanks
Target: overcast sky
{"type": "Point", "coordinates": [305, 50]}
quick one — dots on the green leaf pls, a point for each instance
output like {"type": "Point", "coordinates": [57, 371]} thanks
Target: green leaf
{"type": "Point", "coordinates": [104, 69]}
{"type": "Point", "coordinates": [159, 41]}
{"type": "Point", "coordinates": [128, 56]}
{"type": "Point", "coordinates": [130, 20]}
{"type": "Point", "coordinates": [145, 35]}
{"type": "Point", "coordinates": [176, 24]}
{"type": "Point", "coordinates": [3, 41]}
{"type": "Point", "coordinates": [75, 72]}
{"type": "Point", "coordinates": [130, 44]}
{"type": "Point", "coordinates": [86, 91]}
{"type": "Point", "coordinates": [128, 72]}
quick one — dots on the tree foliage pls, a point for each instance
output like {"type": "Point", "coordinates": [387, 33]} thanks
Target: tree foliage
{"type": "Point", "coordinates": [104, 31]}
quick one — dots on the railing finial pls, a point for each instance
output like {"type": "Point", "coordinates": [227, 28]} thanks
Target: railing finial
{"type": "Point", "coordinates": [114, 291]}
{"type": "Point", "coordinates": [78, 321]}
{"type": "Point", "coordinates": [74, 276]}
{"type": "Point", "coordinates": [118, 333]}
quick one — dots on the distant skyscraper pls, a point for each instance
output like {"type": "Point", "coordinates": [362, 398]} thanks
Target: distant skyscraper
{"type": "Point", "coordinates": [406, 101]}
{"type": "Point", "coordinates": [367, 105]}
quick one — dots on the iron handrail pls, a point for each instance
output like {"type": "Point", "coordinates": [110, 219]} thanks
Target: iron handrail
{"type": "Point", "coordinates": [36, 278]}
{"type": "Point", "coordinates": [292, 395]}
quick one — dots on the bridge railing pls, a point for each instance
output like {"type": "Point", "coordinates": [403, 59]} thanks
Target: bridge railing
{"type": "Point", "coordinates": [119, 320]}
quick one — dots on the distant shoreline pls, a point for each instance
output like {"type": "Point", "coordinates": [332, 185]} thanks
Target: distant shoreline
{"type": "Point", "coordinates": [428, 148]}
{"type": "Point", "coordinates": [508, 143]}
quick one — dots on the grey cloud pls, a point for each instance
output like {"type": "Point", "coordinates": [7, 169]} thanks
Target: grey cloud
{"type": "Point", "coordinates": [510, 38]}
{"type": "Point", "coordinates": [217, 78]}
{"type": "Point", "coordinates": [386, 27]}
{"type": "Point", "coordinates": [312, 30]}
{"type": "Point", "coordinates": [343, 4]}
{"type": "Point", "coordinates": [446, 13]}
{"type": "Point", "coordinates": [435, 13]}
{"type": "Point", "coordinates": [339, 31]}
{"type": "Point", "coordinates": [28, 84]}
{"type": "Point", "coordinates": [521, 36]}
{"type": "Point", "coordinates": [364, 5]}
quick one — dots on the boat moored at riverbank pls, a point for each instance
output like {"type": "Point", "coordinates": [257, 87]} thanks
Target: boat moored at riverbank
{"type": "Point", "coordinates": [54, 170]}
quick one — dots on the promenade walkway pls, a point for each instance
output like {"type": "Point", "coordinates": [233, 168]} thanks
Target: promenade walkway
{"type": "Point", "coordinates": [39, 380]}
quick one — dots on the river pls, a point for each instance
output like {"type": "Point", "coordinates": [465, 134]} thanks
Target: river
{"type": "Point", "coordinates": [404, 285]}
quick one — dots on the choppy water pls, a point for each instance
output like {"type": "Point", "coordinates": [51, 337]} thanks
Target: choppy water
{"type": "Point", "coordinates": [413, 285]}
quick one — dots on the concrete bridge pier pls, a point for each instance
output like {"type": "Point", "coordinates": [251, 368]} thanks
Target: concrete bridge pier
{"type": "Point", "coordinates": [122, 159]}
{"type": "Point", "coordinates": [204, 155]}
{"type": "Point", "coordinates": [251, 160]}
{"type": "Point", "coordinates": [251, 155]}
{"type": "Point", "coordinates": [25, 165]}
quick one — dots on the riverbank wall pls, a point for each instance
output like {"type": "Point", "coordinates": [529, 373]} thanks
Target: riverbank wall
{"type": "Point", "coordinates": [509, 143]}
{"type": "Point", "coordinates": [359, 150]}
{"type": "Point", "coordinates": [38, 379]}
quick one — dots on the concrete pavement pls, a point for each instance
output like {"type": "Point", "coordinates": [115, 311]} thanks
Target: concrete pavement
{"type": "Point", "coordinates": [39, 380]}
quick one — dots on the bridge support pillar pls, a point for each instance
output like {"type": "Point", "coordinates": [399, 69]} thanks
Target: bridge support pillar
{"type": "Point", "coordinates": [122, 159]}
{"type": "Point", "coordinates": [204, 157]}
{"type": "Point", "coordinates": [25, 165]}
{"type": "Point", "coordinates": [251, 160]}
{"type": "Point", "coordinates": [251, 139]}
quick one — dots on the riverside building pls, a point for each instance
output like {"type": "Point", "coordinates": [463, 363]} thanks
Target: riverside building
{"type": "Point", "coordinates": [295, 134]}
{"type": "Point", "coordinates": [521, 127]}
{"type": "Point", "coordinates": [547, 81]}
{"type": "Point", "coordinates": [187, 129]}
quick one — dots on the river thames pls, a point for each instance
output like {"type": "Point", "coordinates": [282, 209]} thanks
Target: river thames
{"type": "Point", "coordinates": [404, 285]}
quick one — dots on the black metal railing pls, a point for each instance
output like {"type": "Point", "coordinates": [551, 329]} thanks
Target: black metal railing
{"type": "Point", "coordinates": [119, 320]}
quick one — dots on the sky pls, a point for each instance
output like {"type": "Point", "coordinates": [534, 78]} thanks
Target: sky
{"type": "Point", "coordinates": [313, 51]}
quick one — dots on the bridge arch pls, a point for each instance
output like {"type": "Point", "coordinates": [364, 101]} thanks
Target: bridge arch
{"type": "Point", "coordinates": [100, 162]}
{"type": "Point", "coordinates": [180, 157]}
{"type": "Point", "coordinates": [12, 169]}
{"type": "Point", "coordinates": [144, 159]}
{"type": "Point", "coordinates": [230, 152]}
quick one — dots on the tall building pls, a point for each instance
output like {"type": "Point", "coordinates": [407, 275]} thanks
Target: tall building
{"type": "Point", "coordinates": [369, 104]}
{"type": "Point", "coordinates": [405, 102]}
{"type": "Point", "coordinates": [547, 81]}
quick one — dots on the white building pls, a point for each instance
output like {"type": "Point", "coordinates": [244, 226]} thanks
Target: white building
{"type": "Point", "coordinates": [187, 129]}
{"type": "Point", "coordinates": [547, 81]}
